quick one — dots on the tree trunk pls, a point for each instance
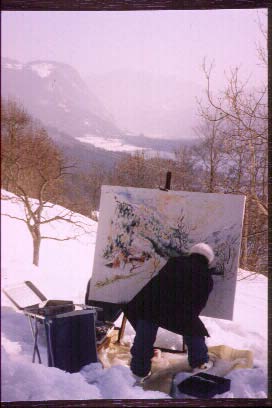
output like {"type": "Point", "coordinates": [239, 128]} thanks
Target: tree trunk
{"type": "Point", "coordinates": [36, 250]}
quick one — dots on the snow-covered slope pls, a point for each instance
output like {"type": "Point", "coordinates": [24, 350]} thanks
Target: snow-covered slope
{"type": "Point", "coordinates": [64, 270]}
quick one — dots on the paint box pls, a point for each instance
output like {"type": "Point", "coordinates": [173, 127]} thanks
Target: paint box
{"type": "Point", "coordinates": [204, 385]}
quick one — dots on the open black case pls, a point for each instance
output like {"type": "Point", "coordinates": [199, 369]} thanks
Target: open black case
{"type": "Point", "coordinates": [27, 297]}
{"type": "Point", "coordinates": [70, 329]}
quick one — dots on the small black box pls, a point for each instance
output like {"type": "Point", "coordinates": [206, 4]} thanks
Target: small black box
{"type": "Point", "coordinates": [204, 385]}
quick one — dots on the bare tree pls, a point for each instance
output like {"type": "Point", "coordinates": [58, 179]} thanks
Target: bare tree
{"type": "Point", "coordinates": [246, 116]}
{"type": "Point", "coordinates": [210, 152]}
{"type": "Point", "coordinates": [242, 113]}
{"type": "Point", "coordinates": [185, 169]}
{"type": "Point", "coordinates": [139, 170]}
{"type": "Point", "coordinates": [133, 171]}
{"type": "Point", "coordinates": [33, 169]}
{"type": "Point", "coordinates": [87, 189]}
{"type": "Point", "coordinates": [261, 50]}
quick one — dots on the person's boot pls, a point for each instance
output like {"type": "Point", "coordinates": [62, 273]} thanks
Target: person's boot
{"type": "Point", "coordinates": [140, 380]}
{"type": "Point", "coordinates": [203, 367]}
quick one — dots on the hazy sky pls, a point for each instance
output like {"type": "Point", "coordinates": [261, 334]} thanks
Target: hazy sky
{"type": "Point", "coordinates": [168, 42]}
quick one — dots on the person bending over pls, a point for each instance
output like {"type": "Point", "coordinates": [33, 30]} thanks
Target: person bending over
{"type": "Point", "coordinates": [173, 300]}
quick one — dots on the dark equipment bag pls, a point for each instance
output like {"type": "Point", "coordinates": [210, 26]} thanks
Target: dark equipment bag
{"type": "Point", "coordinates": [71, 341]}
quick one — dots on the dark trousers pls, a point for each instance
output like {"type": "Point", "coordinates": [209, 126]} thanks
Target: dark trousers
{"type": "Point", "coordinates": [197, 350]}
{"type": "Point", "coordinates": [142, 349]}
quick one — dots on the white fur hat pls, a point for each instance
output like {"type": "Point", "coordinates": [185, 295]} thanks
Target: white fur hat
{"type": "Point", "coordinates": [203, 249]}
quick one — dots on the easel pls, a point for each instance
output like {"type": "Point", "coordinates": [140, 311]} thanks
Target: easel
{"type": "Point", "coordinates": [124, 320]}
{"type": "Point", "coordinates": [122, 329]}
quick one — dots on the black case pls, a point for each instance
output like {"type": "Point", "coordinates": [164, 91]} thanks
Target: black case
{"type": "Point", "coordinates": [204, 385]}
{"type": "Point", "coordinates": [71, 341]}
{"type": "Point", "coordinates": [22, 293]}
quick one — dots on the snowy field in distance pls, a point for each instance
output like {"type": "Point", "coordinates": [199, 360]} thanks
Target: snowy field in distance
{"type": "Point", "coordinates": [118, 145]}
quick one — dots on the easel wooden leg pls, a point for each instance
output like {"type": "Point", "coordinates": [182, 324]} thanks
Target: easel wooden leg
{"type": "Point", "coordinates": [183, 345]}
{"type": "Point", "coordinates": [122, 329]}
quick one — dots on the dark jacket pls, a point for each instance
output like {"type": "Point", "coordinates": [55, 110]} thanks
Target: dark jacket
{"type": "Point", "coordinates": [174, 298]}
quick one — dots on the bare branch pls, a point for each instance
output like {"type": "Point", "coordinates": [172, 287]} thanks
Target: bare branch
{"type": "Point", "coordinates": [13, 217]}
{"type": "Point", "coordinates": [62, 239]}
{"type": "Point", "coordinates": [256, 233]}
{"type": "Point", "coordinates": [251, 274]}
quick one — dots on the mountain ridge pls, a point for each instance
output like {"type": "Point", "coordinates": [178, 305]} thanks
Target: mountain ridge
{"type": "Point", "coordinates": [52, 94]}
{"type": "Point", "coordinates": [55, 93]}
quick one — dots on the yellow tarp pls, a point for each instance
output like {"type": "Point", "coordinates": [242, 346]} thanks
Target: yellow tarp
{"type": "Point", "coordinates": [166, 365]}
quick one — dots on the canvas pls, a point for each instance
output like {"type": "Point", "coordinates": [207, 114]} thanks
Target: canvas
{"type": "Point", "coordinates": [139, 229]}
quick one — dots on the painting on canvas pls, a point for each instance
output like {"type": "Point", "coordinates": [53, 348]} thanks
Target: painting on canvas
{"type": "Point", "coordinates": [139, 229]}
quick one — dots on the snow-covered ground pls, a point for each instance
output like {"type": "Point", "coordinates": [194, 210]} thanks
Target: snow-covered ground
{"type": "Point", "coordinates": [113, 144]}
{"type": "Point", "coordinates": [118, 145]}
{"type": "Point", "coordinates": [64, 270]}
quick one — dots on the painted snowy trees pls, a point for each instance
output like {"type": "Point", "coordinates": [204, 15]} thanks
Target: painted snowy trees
{"type": "Point", "coordinates": [140, 229]}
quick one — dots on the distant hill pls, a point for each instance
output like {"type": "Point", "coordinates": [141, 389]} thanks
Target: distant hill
{"type": "Point", "coordinates": [56, 94]}
{"type": "Point", "coordinates": [75, 117]}
{"type": "Point", "coordinates": [142, 102]}
{"type": "Point", "coordinates": [83, 155]}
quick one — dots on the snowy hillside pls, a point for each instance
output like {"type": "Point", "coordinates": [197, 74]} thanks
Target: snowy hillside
{"type": "Point", "coordinates": [64, 270]}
